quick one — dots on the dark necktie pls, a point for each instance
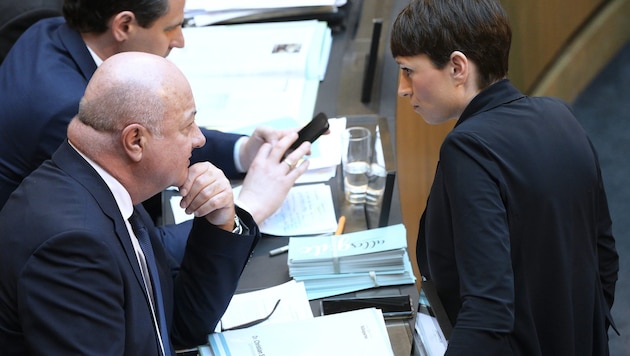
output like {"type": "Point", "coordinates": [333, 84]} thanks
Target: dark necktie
{"type": "Point", "coordinates": [145, 243]}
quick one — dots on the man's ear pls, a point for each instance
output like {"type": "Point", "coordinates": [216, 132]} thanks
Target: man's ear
{"type": "Point", "coordinates": [134, 141]}
{"type": "Point", "coordinates": [122, 25]}
{"type": "Point", "coordinates": [460, 67]}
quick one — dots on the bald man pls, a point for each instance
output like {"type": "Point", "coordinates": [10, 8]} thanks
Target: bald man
{"type": "Point", "coordinates": [71, 270]}
{"type": "Point", "coordinates": [44, 77]}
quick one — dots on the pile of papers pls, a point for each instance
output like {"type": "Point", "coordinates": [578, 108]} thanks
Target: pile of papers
{"type": "Point", "coordinates": [247, 74]}
{"type": "Point", "coordinates": [333, 265]}
{"type": "Point", "coordinates": [256, 305]}
{"type": "Point", "coordinates": [203, 12]}
{"type": "Point", "coordinates": [359, 332]}
{"type": "Point", "coordinates": [290, 328]}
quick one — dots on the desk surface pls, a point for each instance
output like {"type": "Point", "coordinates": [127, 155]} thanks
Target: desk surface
{"type": "Point", "coordinates": [263, 271]}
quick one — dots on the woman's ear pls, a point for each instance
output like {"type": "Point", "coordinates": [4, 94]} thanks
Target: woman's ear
{"type": "Point", "coordinates": [134, 141]}
{"type": "Point", "coordinates": [460, 66]}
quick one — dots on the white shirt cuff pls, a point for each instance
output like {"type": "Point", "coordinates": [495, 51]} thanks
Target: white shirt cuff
{"type": "Point", "coordinates": [237, 152]}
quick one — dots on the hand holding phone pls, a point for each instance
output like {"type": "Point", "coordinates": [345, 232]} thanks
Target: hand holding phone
{"type": "Point", "coordinates": [315, 128]}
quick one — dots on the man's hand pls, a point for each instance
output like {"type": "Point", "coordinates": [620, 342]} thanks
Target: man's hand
{"type": "Point", "coordinates": [260, 136]}
{"type": "Point", "coordinates": [270, 177]}
{"type": "Point", "coordinates": [207, 192]}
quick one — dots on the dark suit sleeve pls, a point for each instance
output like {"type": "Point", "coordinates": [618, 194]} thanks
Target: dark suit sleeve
{"type": "Point", "coordinates": [208, 277]}
{"type": "Point", "coordinates": [481, 248]}
{"type": "Point", "coordinates": [608, 257]}
{"type": "Point", "coordinates": [70, 285]}
{"type": "Point", "coordinates": [219, 150]}
{"type": "Point", "coordinates": [39, 114]}
{"type": "Point", "coordinates": [174, 238]}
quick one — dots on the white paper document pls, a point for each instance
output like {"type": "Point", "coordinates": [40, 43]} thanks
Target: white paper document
{"type": "Point", "coordinates": [307, 210]}
{"type": "Point", "coordinates": [225, 5]}
{"type": "Point", "coordinates": [179, 214]}
{"type": "Point", "coordinates": [291, 48]}
{"type": "Point", "coordinates": [200, 17]}
{"type": "Point", "coordinates": [245, 307]}
{"type": "Point", "coordinates": [230, 103]}
{"type": "Point", "coordinates": [246, 74]}
{"type": "Point", "coordinates": [433, 341]}
{"type": "Point", "coordinates": [360, 332]}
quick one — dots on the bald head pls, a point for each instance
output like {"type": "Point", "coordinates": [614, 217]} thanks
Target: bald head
{"type": "Point", "coordinates": [136, 120]}
{"type": "Point", "coordinates": [131, 87]}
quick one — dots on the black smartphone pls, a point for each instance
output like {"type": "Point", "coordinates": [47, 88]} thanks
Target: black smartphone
{"type": "Point", "coordinates": [315, 128]}
{"type": "Point", "coordinates": [392, 307]}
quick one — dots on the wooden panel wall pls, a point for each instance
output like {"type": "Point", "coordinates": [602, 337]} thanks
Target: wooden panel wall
{"type": "Point", "coordinates": [545, 32]}
{"type": "Point", "coordinates": [417, 150]}
{"type": "Point", "coordinates": [581, 59]}
{"type": "Point", "coordinates": [540, 30]}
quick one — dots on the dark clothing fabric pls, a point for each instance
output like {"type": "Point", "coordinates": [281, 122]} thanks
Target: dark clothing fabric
{"type": "Point", "coordinates": [70, 281]}
{"type": "Point", "coordinates": [517, 236]}
{"type": "Point", "coordinates": [42, 81]}
{"type": "Point", "coordinates": [17, 16]}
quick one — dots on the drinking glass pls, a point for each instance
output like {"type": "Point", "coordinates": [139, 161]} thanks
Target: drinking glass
{"type": "Point", "coordinates": [355, 159]}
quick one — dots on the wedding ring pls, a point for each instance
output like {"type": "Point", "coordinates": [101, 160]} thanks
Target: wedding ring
{"type": "Point", "coordinates": [289, 164]}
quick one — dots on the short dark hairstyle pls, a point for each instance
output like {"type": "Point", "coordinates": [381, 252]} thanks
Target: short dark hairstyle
{"type": "Point", "coordinates": [93, 15]}
{"type": "Point", "coordinates": [478, 28]}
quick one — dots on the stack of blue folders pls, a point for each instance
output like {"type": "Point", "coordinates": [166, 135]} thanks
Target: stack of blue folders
{"type": "Point", "coordinates": [332, 265]}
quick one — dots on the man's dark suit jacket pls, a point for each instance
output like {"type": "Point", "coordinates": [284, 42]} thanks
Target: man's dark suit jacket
{"type": "Point", "coordinates": [517, 236]}
{"type": "Point", "coordinates": [41, 83]}
{"type": "Point", "coordinates": [69, 278]}
{"type": "Point", "coordinates": [17, 16]}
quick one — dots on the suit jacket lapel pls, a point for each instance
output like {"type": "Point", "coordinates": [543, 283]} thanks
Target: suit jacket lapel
{"type": "Point", "coordinates": [78, 50]}
{"type": "Point", "coordinates": [69, 160]}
